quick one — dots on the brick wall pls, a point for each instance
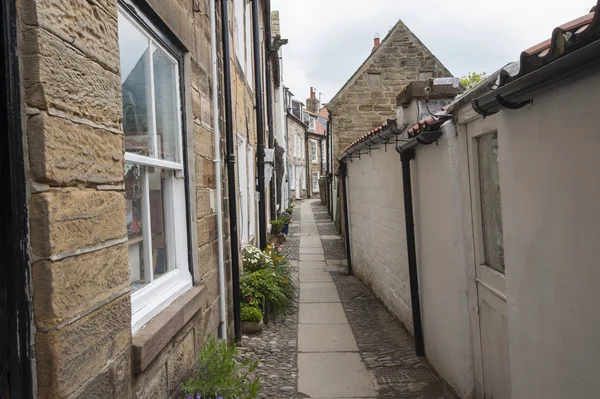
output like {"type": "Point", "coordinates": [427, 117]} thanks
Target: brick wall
{"type": "Point", "coordinates": [377, 230]}
{"type": "Point", "coordinates": [81, 299]}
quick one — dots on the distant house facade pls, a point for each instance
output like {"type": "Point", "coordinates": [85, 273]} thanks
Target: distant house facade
{"type": "Point", "coordinates": [315, 137]}
{"type": "Point", "coordinates": [296, 151]}
{"type": "Point", "coordinates": [485, 237]}
{"type": "Point", "coordinates": [369, 96]}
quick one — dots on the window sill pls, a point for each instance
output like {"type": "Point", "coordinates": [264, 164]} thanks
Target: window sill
{"type": "Point", "coordinates": [149, 341]}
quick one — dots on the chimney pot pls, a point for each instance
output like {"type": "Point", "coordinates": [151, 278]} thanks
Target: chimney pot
{"type": "Point", "coordinates": [376, 41]}
{"type": "Point", "coordinates": [312, 92]}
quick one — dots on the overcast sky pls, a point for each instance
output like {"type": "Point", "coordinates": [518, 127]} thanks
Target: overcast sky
{"type": "Point", "coordinates": [329, 39]}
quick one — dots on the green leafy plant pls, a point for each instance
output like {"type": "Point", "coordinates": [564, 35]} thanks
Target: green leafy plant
{"type": "Point", "coordinates": [272, 284]}
{"type": "Point", "coordinates": [285, 217]}
{"type": "Point", "coordinates": [251, 314]}
{"type": "Point", "coordinates": [277, 226]}
{"type": "Point", "coordinates": [290, 210]}
{"type": "Point", "coordinates": [472, 79]}
{"type": "Point", "coordinates": [218, 373]}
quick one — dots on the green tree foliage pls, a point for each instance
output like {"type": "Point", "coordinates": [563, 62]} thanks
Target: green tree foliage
{"type": "Point", "coordinates": [473, 79]}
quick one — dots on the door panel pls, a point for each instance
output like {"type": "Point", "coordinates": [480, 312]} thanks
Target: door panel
{"type": "Point", "coordinates": [489, 257]}
{"type": "Point", "coordinates": [494, 342]}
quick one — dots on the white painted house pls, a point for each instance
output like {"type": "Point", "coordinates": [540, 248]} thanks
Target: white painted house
{"type": "Point", "coordinates": [503, 191]}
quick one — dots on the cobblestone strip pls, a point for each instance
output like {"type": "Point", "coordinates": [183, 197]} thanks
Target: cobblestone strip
{"type": "Point", "coordinates": [385, 346]}
{"type": "Point", "coordinates": [276, 347]}
{"type": "Point", "coordinates": [276, 351]}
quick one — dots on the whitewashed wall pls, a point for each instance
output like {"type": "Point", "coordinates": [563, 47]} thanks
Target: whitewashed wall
{"type": "Point", "coordinates": [444, 306]}
{"type": "Point", "coordinates": [377, 230]}
{"type": "Point", "coordinates": [549, 174]}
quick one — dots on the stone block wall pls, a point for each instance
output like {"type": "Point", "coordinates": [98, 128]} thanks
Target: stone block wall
{"type": "Point", "coordinates": [72, 126]}
{"type": "Point", "coordinates": [369, 98]}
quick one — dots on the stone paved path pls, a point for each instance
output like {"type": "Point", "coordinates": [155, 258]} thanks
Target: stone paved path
{"type": "Point", "coordinates": [351, 326]}
{"type": "Point", "coordinates": [329, 362]}
{"type": "Point", "coordinates": [339, 341]}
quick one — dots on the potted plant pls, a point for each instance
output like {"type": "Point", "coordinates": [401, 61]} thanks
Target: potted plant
{"type": "Point", "coordinates": [286, 217]}
{"type": "Point", "coordinates": [276, 227]}
{"type": "Point", "coordinates": [251, 319]}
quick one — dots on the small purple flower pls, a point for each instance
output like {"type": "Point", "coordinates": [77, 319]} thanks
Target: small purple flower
{"type": "Point", "coordinates": [219, 397]}
{"type": "Point", "coordinates": [188, 396]}
{"type": "Point", "coordinates": [198, 396]}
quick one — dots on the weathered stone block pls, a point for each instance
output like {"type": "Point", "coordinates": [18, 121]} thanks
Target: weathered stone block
{"type": "Point", "coordinates": [65, 288]}
{"type": "Point", "coordinates": [64, 152]}
{"type": "Point", "coordinates": [203, 203]}
{"type": "Point", "coordinates": [180, 363]}
{"type": "Point", "coordinates": [121, 376]}
{"type": "Point", "coordinates": [66, 220]}
{"type": "Point", "coordinates": [71, 355]}
{"type": "Point", "coordinates": [208, 174]}
{"type": "Point", "coordinates": [203, 233]}
{"type": "Point", "coordinates": [203, 142]}
{"type": "Point", "coordinates": [155, 388]}
{"type": "Point", "coordinates": [94, 31]}
{"type": "Point", "coordinates": [207, 259]}
{"type": "Point", "coordinates": [56, 75]}
{"type": "Point", "coordinates": [99, 387]}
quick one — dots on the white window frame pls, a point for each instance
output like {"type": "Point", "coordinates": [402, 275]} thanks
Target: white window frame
{"type": "Point", "coordinates": [303, 179]}
{"type": "Point", "coordinates": [251, 192]}
{"type": "Point", "coordinates": [242, 166]}
{"type": "Point", "coordinates": [313, 124]}
{"type": "Point", "coordinates": [239, 32]}
{"type": "Point", "coordinates": [293, 176]}
{"type": "Point", "coordinates": [315, 182]}
{"type": "Point", "coordinates": [313, 151]}
{"type": "Point", "coordinates": [249, 46]}
{"type": "Point", "coordinates": [148, 301]}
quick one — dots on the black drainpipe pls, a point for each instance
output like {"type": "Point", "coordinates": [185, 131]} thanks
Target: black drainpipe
{"type": "Point", "coordinates": [260, 128]}
{"type": "Point", "coordinates": [406, 156]}
{"type": "Point", "coordinates": [233, 228]}
{"type": "Point", "coordinates": [268, 52]}
{"type": "Point", "coordinates": [329, 174]}
{"type": "Point", "coordinates": [308, 164]}
{"type": "Point", "coordinates": [343, 177]}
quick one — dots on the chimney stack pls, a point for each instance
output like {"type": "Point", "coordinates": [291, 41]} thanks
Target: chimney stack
{"type": "Point", "coordinates": [376, 42]}
{"type": "Point", "coordinates": [312, 103]}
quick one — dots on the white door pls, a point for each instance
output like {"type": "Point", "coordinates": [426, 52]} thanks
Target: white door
{"type": "Point", "coordinates": [489, 258]}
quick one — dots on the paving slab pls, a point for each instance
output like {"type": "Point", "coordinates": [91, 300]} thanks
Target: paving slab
{"type": "Point", "coordinates": [322, 313]}
{"type": "Point", "coordinates": [312, 250]}
{"type": "Point", "coordinates": [312, 257]}
{"type": "Point", "coordinates": [314, 277]}
{"type": "Point", "coordinates": [310, 267]}
{"type": "Point", "coordinates": [326, 293]}
{"type": "Point", "coordinates": [333, 375]}
{"type": "Point", "coordinates": [326, 338]}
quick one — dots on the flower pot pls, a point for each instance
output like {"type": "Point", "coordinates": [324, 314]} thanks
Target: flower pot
{"type": "Point", "coordinates": [252, 328]}
{"type": "Point", "coordinates": [280, 238]}
{"type": "Point", "coordinates": [286, 228]}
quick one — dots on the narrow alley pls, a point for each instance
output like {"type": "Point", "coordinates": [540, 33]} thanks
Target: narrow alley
{"type": "Point", "coordinates": [348, 344]}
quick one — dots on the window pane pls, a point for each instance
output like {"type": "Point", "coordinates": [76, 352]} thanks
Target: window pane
{"type": "Point", "coordinates": [167, 109]}
{"type": "Point", "coordinates": [134, 195]}
{"type": "Point", "coordinates": [491, 210]}
{"type": "Point", "coordinates": [146, 192]}
{"type": "Point", "coordinates": [135, 84]}
{"type": "Point", "coordinates": [157, 181]}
